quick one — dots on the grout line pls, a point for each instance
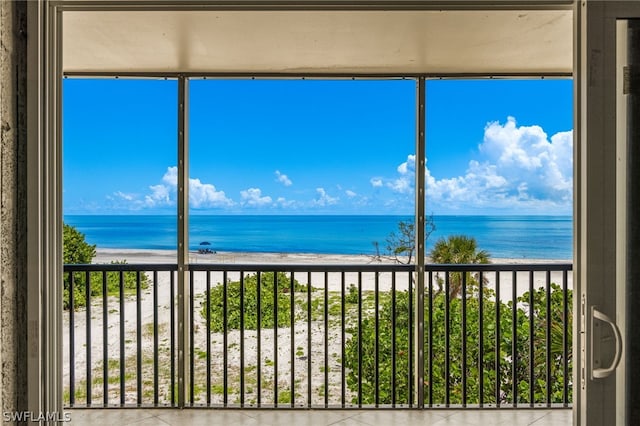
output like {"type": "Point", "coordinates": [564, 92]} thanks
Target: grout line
{"type": "Point", "coordinates": [539, 418]}
{"type": "Point", "coordinates": [352, 418]}
{"type": "Point", "coordinates": [156, 419]}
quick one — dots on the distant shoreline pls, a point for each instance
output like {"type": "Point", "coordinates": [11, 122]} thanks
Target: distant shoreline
{"type": "Point", "coordinates": [150, 256]}
{"type": "Point", "coordinates": [504, 237]}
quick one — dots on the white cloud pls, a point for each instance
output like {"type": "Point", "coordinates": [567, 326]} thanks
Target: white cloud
{"type": "Point", "coordinates": [253, 197]}
{"type": "Point", "coordinates": [202, 195]}
{"type": "Point", "coordinates": [350, 193]}
{"type": "Point", "coordinates": [171, 176]}
{"type": "Point", "coordinates": [122, 201]}
{"type": "Point", "coordinates": [283, 179]}
{"type": "Point", "coordinates": [164, 194]}
{"type": "Point", "coordinates": [404, 183]}
{"type": "Point", "coordinates": [376, 182]}
{"type": "Point", "coordinates": [123, 196]}
{"type": "Point", "coordinates": [324, 199]}
{"type": "Point", "coordinates": [409, 166]}
{"type": "Point", "coordinates": [284, 203]}
{"type": "Point", "coordinates": [160, 196]}
{"type": "Point", "coordinates": [519, 168]}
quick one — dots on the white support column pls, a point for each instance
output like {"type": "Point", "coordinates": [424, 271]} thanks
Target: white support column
{"type": "Point", "coordinates": [419, 229]}
{"type": "Point", "coordinates": [35, 123]}
{"type": "Point", "coordinates": [44, 208]}
{"type": "Point", "coordinates": [183, 242]}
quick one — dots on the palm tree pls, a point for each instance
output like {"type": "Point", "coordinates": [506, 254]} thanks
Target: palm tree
{"type": "Point", "coordinates": [458, 249]}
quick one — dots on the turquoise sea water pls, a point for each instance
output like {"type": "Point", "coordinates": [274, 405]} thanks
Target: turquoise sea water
{"type": "Point", "coordinates": [532, 237]}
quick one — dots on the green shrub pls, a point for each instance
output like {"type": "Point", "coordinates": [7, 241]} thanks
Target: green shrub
{"type": "Point", "coordinates": [269, 297]}
{"type": "Point", "coordinates": [95, 280]}
{"type": "Point", "coordinates": [384, 365]}
{"type": "Point", "coordinates": [76, 251]}
{"type": "Point", "coordinates": [352, 295]}
{"type": "Point", "coordinates": [504, 377]}
{"type": "Point", "coordinates": [539, 342]}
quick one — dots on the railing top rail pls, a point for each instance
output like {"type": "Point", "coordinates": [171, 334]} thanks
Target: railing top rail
{"type": "Point", "coordinates": [300, 267]}
{"type": "Point", "coordinates": [117, 267]}
{"type": "Point", "coordinates": [500, 267]}
{"type": "Point", "coordinates": [371, 267]}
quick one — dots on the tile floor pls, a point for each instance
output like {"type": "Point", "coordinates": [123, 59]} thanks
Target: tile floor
{"type": "Point", "coordinates": [197, 417]}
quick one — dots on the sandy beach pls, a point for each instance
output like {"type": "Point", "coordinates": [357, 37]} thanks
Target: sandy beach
{"type": "Point", "coordinates": [134, 256]}
{"type": "Point", "coordinates": [160, 289]}
{"type": "Point", "coordinates": [169, 256]}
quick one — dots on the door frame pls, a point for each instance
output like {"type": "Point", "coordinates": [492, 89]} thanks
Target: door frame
{"type": "Point", "coordinates": [45, 188]}
{"type": "Point", "coordinates": [599, 182]}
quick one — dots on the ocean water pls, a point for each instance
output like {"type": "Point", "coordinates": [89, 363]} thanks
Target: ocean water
{"type": "Point", "coordinates": [527, 237]}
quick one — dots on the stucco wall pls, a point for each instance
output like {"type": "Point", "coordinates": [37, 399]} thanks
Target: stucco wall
{"type": "Point", "coordinates": [13, 132]}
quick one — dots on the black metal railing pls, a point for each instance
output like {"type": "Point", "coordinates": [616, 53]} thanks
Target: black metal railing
{"type": "Point", "coordinates": [119, 335]}
{"type": "Point", "coordinates": [318, 336]}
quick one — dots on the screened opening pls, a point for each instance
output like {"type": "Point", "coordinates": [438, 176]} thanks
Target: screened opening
{"type": "Point", "coordinates": [500, 165]}
{"type": "Point", "coordinates": [499, 190]}
{"type": "Point", "coordinates": [115, 134]}
{"type": "Point", "coordinates": [301, 273]}
{"type": "Point", "coordinates": [300, 168]}
{"type": "Point", "coordinates": [119, 213]}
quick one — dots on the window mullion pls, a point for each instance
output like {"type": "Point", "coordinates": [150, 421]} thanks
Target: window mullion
{"type": "Point", "coordinates": [183, 241]}
{"type": "Point", "coordinates": [420, 237]}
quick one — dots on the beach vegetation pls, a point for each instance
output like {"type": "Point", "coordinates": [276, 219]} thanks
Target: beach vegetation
{"type": "Point", "coordinates": [149, 329]}
{"type": "Point", "coordinates": [217, 389]}
{"type": "Point", "coordinates": [377, 353]}
{"type": "Point", "coordinates": [460, 250]}
{"type": "Point", "coordinates": [275, 289]}
{"type": "Point", "coordinates": [497, 383]}
{"type": "Point", "coordinates": [79, 394]}
{"type": "Point", "coordinates": [77, 251]}
{"type": "Point", "coordinates": [333, 307]}
{"type": "Point", "coordinates": [352, 296]}
{"type": "Point", "coordinates": [353, 301]}
{"type": "Point", "coordinates": [284, 397]}
{"type": "Point", "coordinates": [95, 286]}
{"type": "Point", "coordinates": [401, 243]}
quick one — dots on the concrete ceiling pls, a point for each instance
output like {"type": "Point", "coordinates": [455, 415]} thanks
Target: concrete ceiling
{"type": "Point", "coordinates": [319, 42]}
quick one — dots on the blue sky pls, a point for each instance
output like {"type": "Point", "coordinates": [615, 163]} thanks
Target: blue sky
{"type": "Point", "coordinates": [318, 147]}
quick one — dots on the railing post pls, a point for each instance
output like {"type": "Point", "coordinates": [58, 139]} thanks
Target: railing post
{"type": "Point", "coordinates": [420, 249]}
{"type": "Point", "coordinates": [183, 242]}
